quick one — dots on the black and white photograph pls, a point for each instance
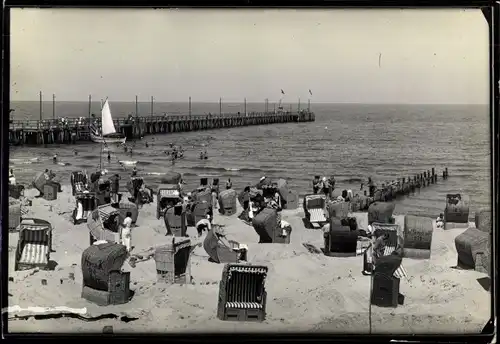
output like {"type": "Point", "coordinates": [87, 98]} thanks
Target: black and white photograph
{"type": "Point", "coordinates": [249, 170]}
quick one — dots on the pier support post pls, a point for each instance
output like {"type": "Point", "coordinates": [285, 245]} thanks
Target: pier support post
{"type": "Point", "coordinates": [41, 106]}
{"type": "Point", "coordinates": [152, 109]}
{"type": "Point", "coordinates": [53, 106]}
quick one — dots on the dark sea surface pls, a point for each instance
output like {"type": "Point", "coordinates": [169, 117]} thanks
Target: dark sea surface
{"type": "Point", "coordinates": [351, 141]}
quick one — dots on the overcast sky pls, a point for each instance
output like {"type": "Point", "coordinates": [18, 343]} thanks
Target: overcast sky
{"type": "Point", "coordinates": [426, 56]}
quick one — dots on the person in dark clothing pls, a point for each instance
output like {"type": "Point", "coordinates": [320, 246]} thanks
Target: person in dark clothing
{"type": "Point", "coordinates": [316, 182]}
{"type": "Point", "coordinates": [344, 194]}
{"type": "Point", "coordinates": [109, 157]}
{"type": "Point", "coordinates": [371, 187]}
{"type": "Point", "coordinates": [246, 198]}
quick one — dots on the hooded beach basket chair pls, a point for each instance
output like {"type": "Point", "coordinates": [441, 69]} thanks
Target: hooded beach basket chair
{"type": "Point", "coordinates": [340, 240]}
{"type": "Point", "coordinates": [242, 293]}
{"type": "Point", "coordinates": [39, 181]}
{"type": "Point", "coordinates": [204, 195]}
{"type": "Point", "coordinates": [86, 202]}
{"type": "Point", "coordinates": [103, 224]}
{"type": "Point", "coordinates": [227, 202]}
{"type": "Point", "coordinates": [173, 261]}
{"type": "Point", "coordinates": [314, 209]}
{"type": "Point", "coordinates": [34, 244]}
{"type": "Point", "coordinates": [389, 269]}
{"type": "Point", "coordinates": [456, 213]}
{"type": "Point", "coordinates": [125, 206]}
{"type": "Point", "coordinates": [134, 185]}
{"type": "Point", "coordinates": [167, 194]}
{"type": "Point", "coordinates": [176, 221]}
{"type": "Point", "coordinates": [395, 240]}
{"type": "Point", "coordinates": [79, 182]}
{"type": "Point", "coordinates": [103, 281]}
{"type": "Point", "coordinates": [269, 228]}
{"type": "Point", "coordinates": [221, 253]}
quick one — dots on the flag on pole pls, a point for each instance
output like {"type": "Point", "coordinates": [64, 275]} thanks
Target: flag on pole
{"type": "Point", "coordinates": [282, 92]}
{"type": "Point", "coordinates": [310, 92]}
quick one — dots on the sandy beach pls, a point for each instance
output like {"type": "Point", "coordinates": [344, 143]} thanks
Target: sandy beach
{"type": "Point", "coordinates": [306, 292]}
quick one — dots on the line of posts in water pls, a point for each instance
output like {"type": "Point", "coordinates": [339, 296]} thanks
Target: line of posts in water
{"type": "Point", "coordinates": [404, 186]}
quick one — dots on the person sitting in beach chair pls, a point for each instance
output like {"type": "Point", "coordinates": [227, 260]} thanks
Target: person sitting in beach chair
{"type": "Point", "coordinates": [440, 221]}
{"type": "Point", "coordinates": [203, 225]}
{"type": "Point", "coordinates": [220, 250]}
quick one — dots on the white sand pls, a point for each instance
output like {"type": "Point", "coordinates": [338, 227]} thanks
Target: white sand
{"type": "Point", "coordinates": [306, 292]}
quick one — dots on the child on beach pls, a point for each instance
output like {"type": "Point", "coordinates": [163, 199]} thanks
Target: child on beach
{"type": "Point", "coordinates": [440, 221]}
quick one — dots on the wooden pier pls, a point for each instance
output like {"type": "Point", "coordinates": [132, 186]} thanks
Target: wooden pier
{"type": "Point", "coordinates": [72, 130]}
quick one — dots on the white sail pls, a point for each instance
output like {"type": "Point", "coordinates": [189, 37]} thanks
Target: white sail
{"type": "Point", "coordinates": [107, 121]}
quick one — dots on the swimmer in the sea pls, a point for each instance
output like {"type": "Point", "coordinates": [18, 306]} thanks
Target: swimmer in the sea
{"type": "Point", "coordinates": [147, 145]}
{"type": "Point", "coordinates": [54, 158]}
{"type": "Point", "coordinates": [125, 148]}
{"type": "Point", "coordinates": [75, 152]}
{"type": "Point", "coordinates": [109, 157]}
{"type": "Point", "coordinates": [131, 152]}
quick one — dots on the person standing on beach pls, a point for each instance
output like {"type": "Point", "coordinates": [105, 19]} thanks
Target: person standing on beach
{"type": "Point", "coordinates": [12, 177]}
{"type": "Point", "coordinates": [126, 232]}
{"type": "Point", "coordinates": [315, 184]}
{"type": "Point", "coordinates": [326, 187]}
{"type": "Point", "coordinates": [229, 184]}
{"type": "Point", "coordinates": [109, 157]}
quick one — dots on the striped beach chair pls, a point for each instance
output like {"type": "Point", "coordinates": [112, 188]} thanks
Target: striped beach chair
{"type": "Point", "coordinates": [34, 245]}
{"type": "Point", "coordinates": [395, 238]}
{"type": "Point", "coordinates": [242, 293]}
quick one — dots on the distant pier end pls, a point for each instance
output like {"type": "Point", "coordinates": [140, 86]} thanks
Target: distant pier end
{"type": "Point", "coordinates": [39, 132]}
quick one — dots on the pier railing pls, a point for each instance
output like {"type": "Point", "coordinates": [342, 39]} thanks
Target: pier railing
{"type": "Point", "coordinates": [82, 122]}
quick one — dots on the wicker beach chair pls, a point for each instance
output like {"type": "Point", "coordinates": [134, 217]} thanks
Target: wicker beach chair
{"type": "Point", "coordinates": [103, 224]}
{"type": "Point", "coordinates": [242, 293]}
{"type": "Point", "coordinates": [456, 213]}
{"type": "Point", "coordinates": [340, 241]}
{"type": "Point", "coordinates": [395, 241]}
{"type": "Point", "coordinates": [204, 195]}
{"type": "Point", "coordinates": [173, 261]}
{"type": "Point", "coordinates": [175, 221]}
{"type": "Point", "coordinates": [16, 191]}
{"type": "Point", "coordinates": [86, 202]}
{"type": "Point", "coordinates": [34, 244]}
{"type": "Point", "coordinates": [267, 224]}
{"type": "Point", "coordinates": [134, 185]}
{"type": "Point", "coordinates": [168, 195]}
{"type": "Point", "coordinates": [227, 202]}
{"type": "Point", "coordinates": [220, 252]}
{"type": "Point", "coordinates": [200, 210]}
{"type": "Point", "coordinates": [125, 206]}
{"type": "Point", "coordinates": [79, 182]}
{"type": "Point", "coordinates": [103, 281]}
{"type": "Point", "coordinates": [314, 209]}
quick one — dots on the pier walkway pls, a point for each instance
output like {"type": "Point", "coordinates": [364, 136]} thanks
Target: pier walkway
{"type": "Point", "coordinates": [40, 132]}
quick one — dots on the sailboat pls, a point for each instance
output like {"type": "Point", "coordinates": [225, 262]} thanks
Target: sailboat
{"type": "Point", "coordinates": [107, 133]}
